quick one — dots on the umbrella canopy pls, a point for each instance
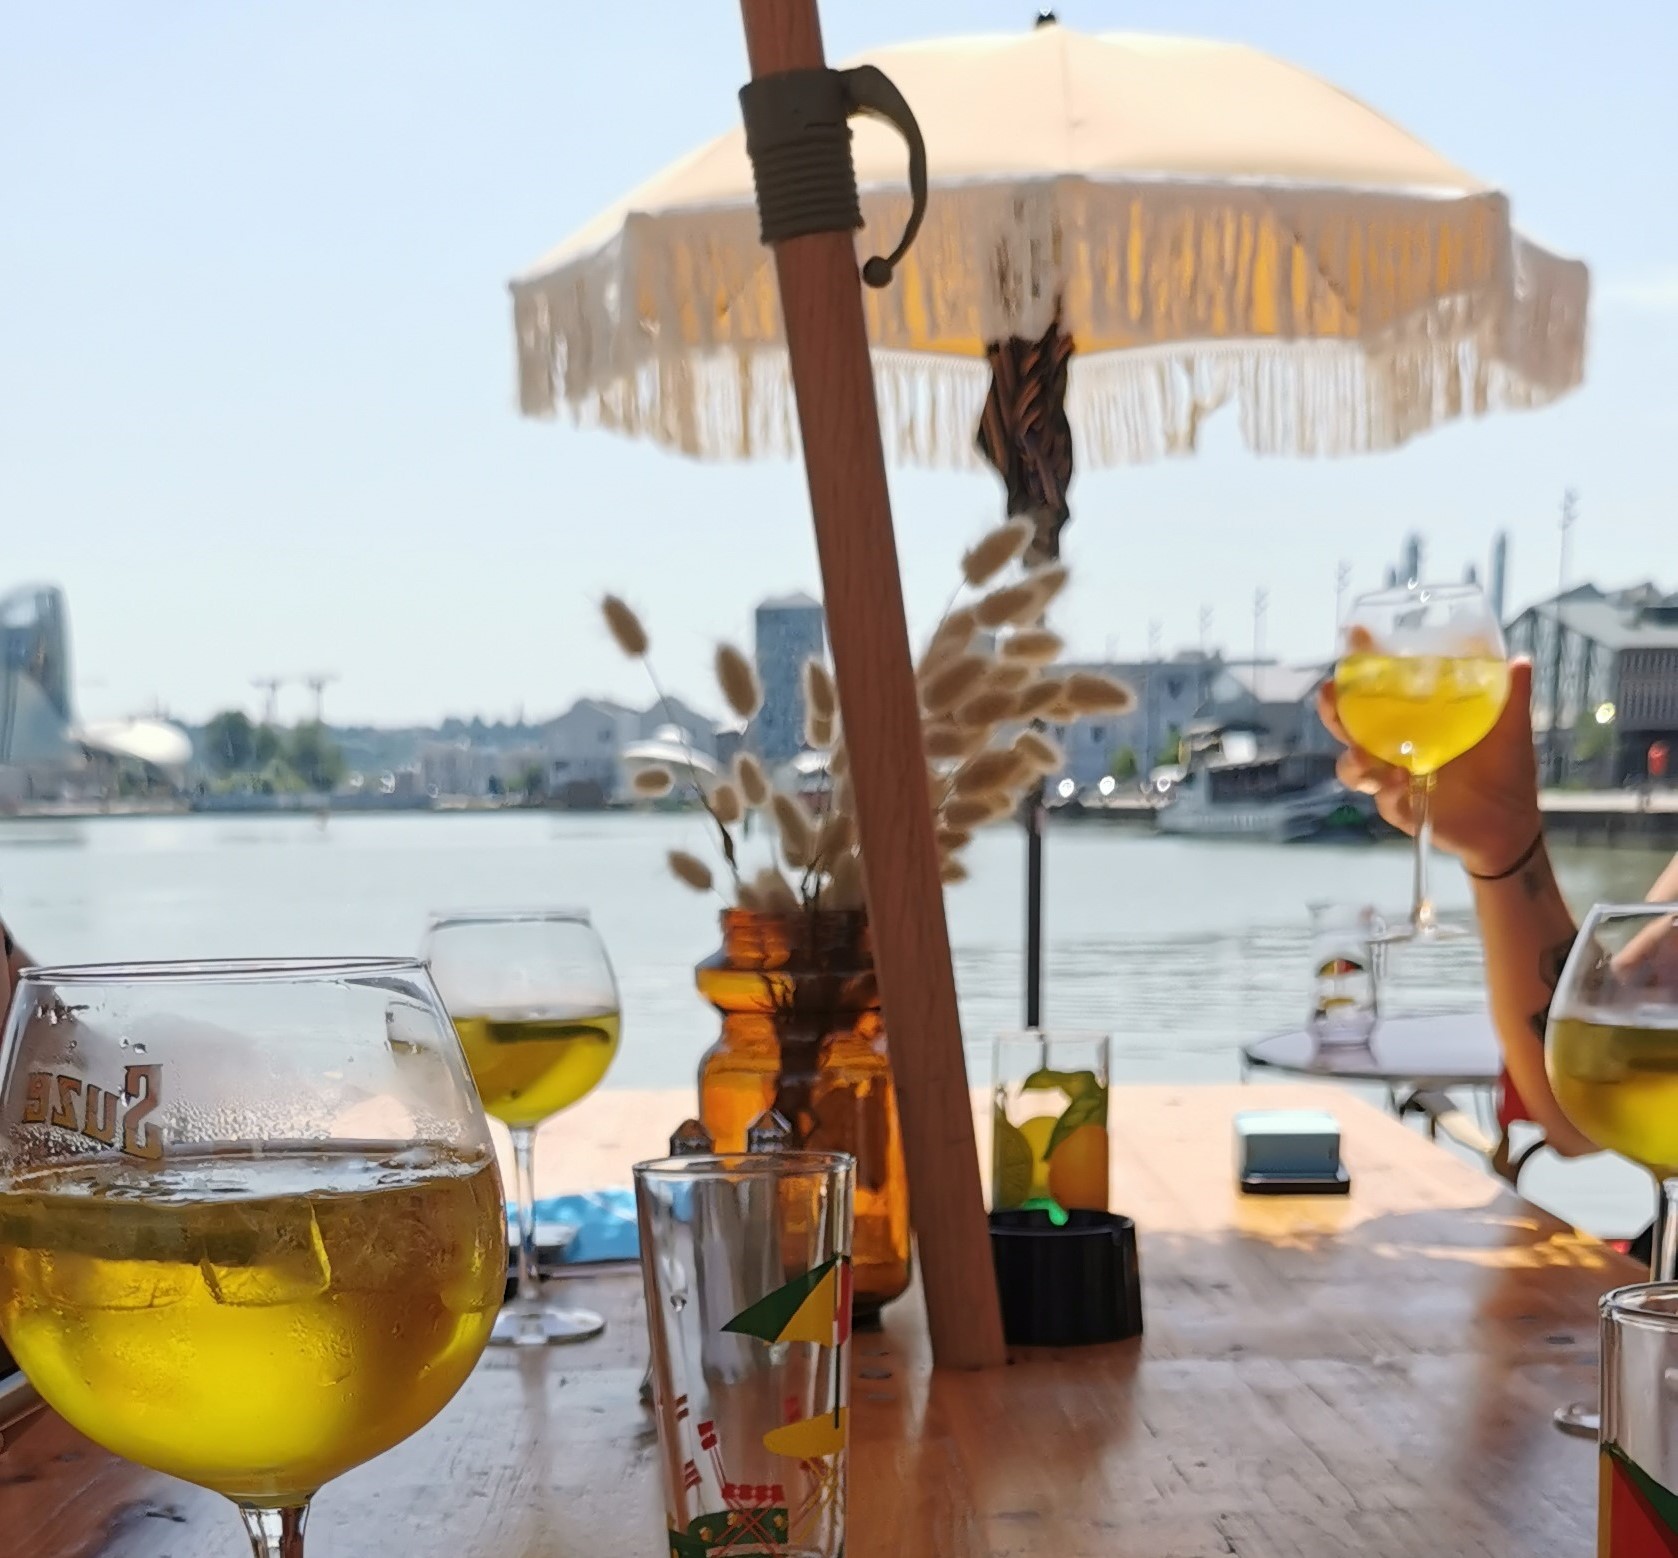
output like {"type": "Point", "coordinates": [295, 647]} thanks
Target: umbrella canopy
{"type": "Point", "coordinates": [1177, 224]}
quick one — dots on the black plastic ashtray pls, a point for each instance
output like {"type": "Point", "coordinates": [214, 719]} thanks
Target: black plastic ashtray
{"type": "Point", "coordinates": [1070, 1284]}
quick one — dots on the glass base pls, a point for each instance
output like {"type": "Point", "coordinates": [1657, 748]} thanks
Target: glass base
{"type": "Point", "coordinates": [1411, 931]}
{"type": "Point", "coordinates": [516, 1326]}
{"type": "Point", "coordinates": [1581, 1419]}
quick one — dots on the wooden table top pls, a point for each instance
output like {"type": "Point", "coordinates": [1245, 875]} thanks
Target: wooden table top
{"type": "Point", "coordinates": [1371, 1375]}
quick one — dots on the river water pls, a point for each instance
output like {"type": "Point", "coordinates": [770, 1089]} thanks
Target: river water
{"type": "Point", "coordinates": [1180, 948]}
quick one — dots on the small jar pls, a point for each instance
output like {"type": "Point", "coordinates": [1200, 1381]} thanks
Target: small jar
{"type": "Point", "coordinates": [1345, 966]}
{"type": "Point", "coordinates": [802, 1035]}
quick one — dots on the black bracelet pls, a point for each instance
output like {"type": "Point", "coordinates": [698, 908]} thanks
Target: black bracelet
{"type": "Point", "coordinates": [1520, 865]}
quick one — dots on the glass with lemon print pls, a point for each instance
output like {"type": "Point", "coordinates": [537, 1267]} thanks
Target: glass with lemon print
{"type": "Point", "coordinates": [1049, 1121]}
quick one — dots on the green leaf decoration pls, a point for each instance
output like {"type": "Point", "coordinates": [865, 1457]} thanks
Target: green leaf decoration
{"type": "Point", "coordinates": [769, 1316]}
{"type": "Point", "coordinates": [1075, 1084]}
{"type": "Point", "coordinates": [1086, 1108]}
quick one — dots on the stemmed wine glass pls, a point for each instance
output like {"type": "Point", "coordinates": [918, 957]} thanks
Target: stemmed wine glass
{"type": "Point", "coordinates": [535, 1003]}
{"type": "Point", "coordinates": [251, 1230]}
{"type": "Point", "coordinates": [1422, 678]}
{"type": "Point", "coordinates": [1612, 1054]}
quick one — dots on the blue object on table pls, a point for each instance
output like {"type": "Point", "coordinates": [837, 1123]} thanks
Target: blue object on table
{"type": "Point", "coordinates": [605, 1224]}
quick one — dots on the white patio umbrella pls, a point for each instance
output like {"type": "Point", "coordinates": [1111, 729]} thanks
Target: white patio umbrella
{"type": "Point", "coordinates": [1124, 234]}
{"type": "Point", "coordinates": [1206, 223]}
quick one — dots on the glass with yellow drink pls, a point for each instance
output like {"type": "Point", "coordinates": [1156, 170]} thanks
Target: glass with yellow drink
{"type": "Point", "coordinates": [1422, 678]}
{"type": "Point", "coordinates": [1612, 1053]}
{"type": "Point", "coordinates": [251, 1229]}
{"type": "Point", "coordinates": [535, 1003]}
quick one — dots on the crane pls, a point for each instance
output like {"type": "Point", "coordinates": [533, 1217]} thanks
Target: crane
{"type": "Point", "coordinates": [317, 682]}
{"type": "Point", "coordinates": [271, 705]}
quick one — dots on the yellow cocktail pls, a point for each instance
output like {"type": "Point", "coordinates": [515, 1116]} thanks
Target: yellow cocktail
{"type": "Point", "coordinates": [534, 1001]}
{"type": "Point", "coordinates": [1417, 712]}
{"type": "Point", "coordinates": [1420, 681]}
{"type": "Point", "coordinates": [257, 1325]}
{"type": "Point", "coordinates": [528, 1068]}
{"type": "Point", "coordinates": [1618, 1083]}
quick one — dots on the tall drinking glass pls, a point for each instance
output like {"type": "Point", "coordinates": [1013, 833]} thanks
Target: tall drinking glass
{"type": "Point", "coordinates": [251, 1230]}
{"type": "Point", "coordinates": [1049, 1145]}
{"type": "Point", "coordinates": [1612, 1054]}
{"type": "Point", "coordinates": [1422, 678]}
{"type": "Point", "coordinates": [535, 1003]}
{"type": "Point", "coordinates": [1637, 1483]}
{"type": "Point", "coordinates": [747, 1264]}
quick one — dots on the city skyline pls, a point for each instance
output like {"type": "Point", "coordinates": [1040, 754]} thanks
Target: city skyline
{"type": "Point", "coordinates": [294, 445]}
{"type": "Point", "coordinates": [281, 699]}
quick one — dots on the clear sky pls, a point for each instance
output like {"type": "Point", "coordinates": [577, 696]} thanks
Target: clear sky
{"type": "Point", "coordinates": [256, 381]}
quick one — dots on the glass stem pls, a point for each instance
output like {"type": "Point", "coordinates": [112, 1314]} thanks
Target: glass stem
{"type": "Point", "coordinates": [275, 1533]}
{"type": "Point", "coordinates": [524, 1173]}
{"type": "Point", "coordinates": [1422, 915]}
{"type": "Point", "coordinates": [1663, 1258]}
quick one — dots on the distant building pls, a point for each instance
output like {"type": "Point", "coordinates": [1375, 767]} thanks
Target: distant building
{"type": "Point", "coordinates": [694, 730]}
{"type": "Point", "coordinates": [1278, 703]}
{"type": "Point", "coordinates": [462, 768]}
{"type": "Point", "coordinates": [35, 703]}
{"type": "Point", "coordinates": [730, 741]}
{"type": "Point", "coordinates": [790, 630]}
{"type": "Point", "coordinates": [1604, 680]}
{"type": "Point", "coordinates": [1410, 565]}
{"type": "Point", "coordinates": [44, 750]}
{"type": "Point", "coordinates": [668, 749]}
{"type": "Point", "coordinates": [1497, 586]}
{"type": "Point", "coordinates": [583, 744]}
{"type": "Point", "coordinates": [1169, 694]}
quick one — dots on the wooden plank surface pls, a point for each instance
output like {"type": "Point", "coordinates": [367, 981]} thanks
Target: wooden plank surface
{"type": "Point", "coordinates": [1367, 1376]}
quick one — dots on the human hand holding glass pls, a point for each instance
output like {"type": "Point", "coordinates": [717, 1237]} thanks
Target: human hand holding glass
{"type": "Point", "coordinates": [251, 1231]}
{"type": "Point", "coordinates": [535, 1002]}
{"type": "Point", "coordinates": [1421, 681]}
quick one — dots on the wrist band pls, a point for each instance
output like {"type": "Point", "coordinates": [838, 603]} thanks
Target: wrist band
{"type": "Point", "coordinates": [1520, 864]}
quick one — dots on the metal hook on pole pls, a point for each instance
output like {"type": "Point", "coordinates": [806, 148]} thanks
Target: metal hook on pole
{"type": "Point", "coordinates": [799, 139]}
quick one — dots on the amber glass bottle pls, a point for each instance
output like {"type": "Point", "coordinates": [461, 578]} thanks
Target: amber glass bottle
{"type": "Point", "coordinates": [801, 1034]}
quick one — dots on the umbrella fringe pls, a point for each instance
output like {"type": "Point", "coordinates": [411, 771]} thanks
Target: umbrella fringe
{"type": "Point", "coordinates": [1237, 286]}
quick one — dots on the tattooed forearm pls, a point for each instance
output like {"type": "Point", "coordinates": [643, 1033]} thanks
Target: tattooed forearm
{"type": "Point", "coordinates": [1537, 878]}
{"type": "Point", "coordinates": [1551, 962]}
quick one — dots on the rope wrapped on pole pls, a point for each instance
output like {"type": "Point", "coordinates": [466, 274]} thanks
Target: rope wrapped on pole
{"type": "Point", "coordinates": [798, 137]}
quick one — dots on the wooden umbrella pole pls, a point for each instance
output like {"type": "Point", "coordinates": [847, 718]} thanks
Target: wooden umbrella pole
{"type": "Point", "coordinates": [844, 461]}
